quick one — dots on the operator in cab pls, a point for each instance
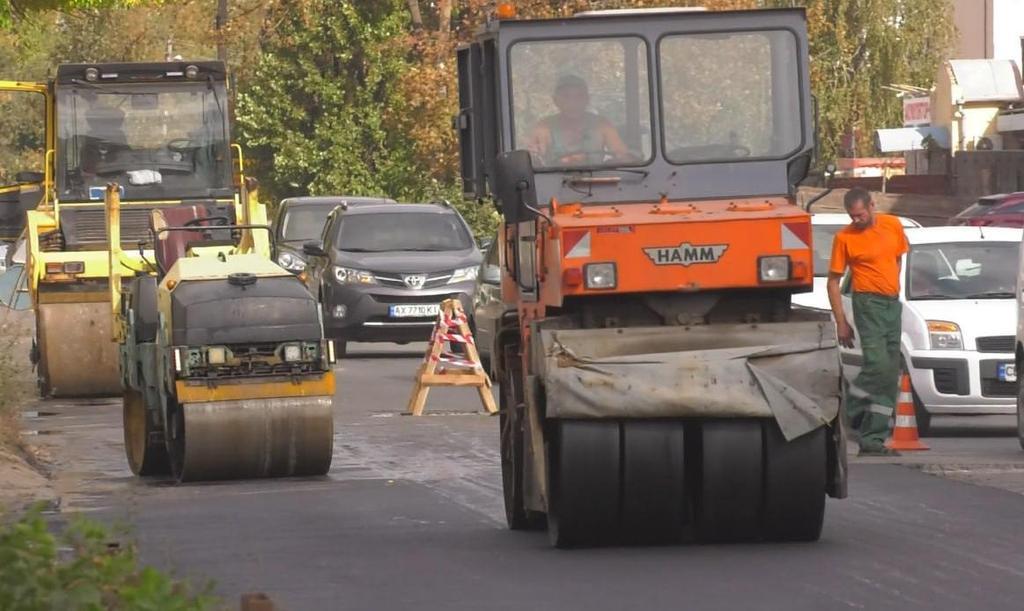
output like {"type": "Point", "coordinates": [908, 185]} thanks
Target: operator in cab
{"type": "Point", "coordinates": [575, 136]}
{"type": "Point", "coordinates": [871, 247]}
{"type": "Point", "coordinates": [104, 136]}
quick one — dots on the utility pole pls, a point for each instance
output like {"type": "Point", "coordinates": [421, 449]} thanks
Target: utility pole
{"type": "Point", "coordinates": [221, 25]}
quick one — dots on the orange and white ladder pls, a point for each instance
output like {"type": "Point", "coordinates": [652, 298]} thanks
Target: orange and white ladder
{"type": "Point", "coordinates": [441, 367]}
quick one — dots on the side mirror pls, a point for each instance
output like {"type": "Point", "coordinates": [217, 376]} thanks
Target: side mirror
{"type": "Point", "coordinates": [830, 170]}
{"type": "Point", "coordinates": [514, 186]}
{"type": "Point", "coordinates": [314, 249]}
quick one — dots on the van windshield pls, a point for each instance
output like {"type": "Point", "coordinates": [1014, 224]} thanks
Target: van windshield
{"type": "Point", "coordinates": [963, 270]}
{"type": "Point", "coordinates": [406, 231]}
{"type": "Point", "coordinates": [302, 223]}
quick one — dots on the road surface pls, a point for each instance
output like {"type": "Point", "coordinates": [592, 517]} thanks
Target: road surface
{"type": "Point", "coordinates": [410, 517]}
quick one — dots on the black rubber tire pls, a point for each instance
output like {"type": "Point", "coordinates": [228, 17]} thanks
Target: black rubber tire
{"type": "Point", "coordinates": [144, 302]}
{"type": "Point", "coordinates": [144, 457]}
{"type": "Point", "coordinates": [583, 482]}
{"type": "Point", "coordinates": [653, 481]}
{"type": "Point", "coordinates": [175, 438]}
{"type": "Point", "coordinates": [1020, 414]}
{"type": "Point", "coordinates": [511, 443]}
{"type": "Point", "coordinates": [794, 484]}
{"type": "Point", "coordinates": [340, 349]}
{"type": "Point", "coordinates": [730, 491]}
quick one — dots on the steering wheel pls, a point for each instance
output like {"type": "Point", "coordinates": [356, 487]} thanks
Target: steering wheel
{"type": "Point", "coordinates": [728, 151]}
{"type": "Point", "coordinates": [180, 145]}
{"type": "Point", "coordinates": [221, 221]}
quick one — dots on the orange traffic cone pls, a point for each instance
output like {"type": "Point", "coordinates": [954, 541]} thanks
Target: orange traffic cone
{"type": "Point", "coordinates": [904, 434]}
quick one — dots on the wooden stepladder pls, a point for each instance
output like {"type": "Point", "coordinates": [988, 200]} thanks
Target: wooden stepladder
{"type": "Point", "coordinates": [443, 368]}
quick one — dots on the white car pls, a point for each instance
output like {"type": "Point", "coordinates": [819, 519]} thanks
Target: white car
{"type": "Point", "coordinates": [958, 287]}
{"type": "Point", "coordinates": [825, 227]}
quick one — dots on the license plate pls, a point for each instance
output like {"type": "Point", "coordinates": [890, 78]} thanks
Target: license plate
{"type": "Point", "coordinates": [414, 311]}
{"type": "Point", "coordinates": [1007, 372]}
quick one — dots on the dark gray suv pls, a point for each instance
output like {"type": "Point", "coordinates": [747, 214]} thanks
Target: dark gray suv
{"type": "Point", "coordinates": [382, 271]}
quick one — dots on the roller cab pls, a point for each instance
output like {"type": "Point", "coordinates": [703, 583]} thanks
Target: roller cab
{"type": "Point", "coordinates": [656, 384]}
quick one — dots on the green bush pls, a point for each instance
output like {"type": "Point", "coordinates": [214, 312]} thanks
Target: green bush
{"type": "Point", "coordinates": [78, 570]}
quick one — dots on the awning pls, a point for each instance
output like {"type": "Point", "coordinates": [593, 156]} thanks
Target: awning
{"type": "Point", "coordinates": [901, 139]}
{"type": "Point", "coordinates": [986, 80]}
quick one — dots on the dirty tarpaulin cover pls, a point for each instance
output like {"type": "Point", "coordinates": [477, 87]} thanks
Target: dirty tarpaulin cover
{"type": "Point", "coordinates": [786, 370]}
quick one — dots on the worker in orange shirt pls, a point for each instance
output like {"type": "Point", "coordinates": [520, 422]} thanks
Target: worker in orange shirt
{"type": "Point", "coordinates": [871, 246]}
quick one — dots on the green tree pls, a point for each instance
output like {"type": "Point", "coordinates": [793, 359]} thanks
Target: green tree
{"type": "Point", "coordinates": [860, 46]}
{"type": "Point", "coordinates": [12, 9]}
{"type": "Point", "coordinates": [319, 114]}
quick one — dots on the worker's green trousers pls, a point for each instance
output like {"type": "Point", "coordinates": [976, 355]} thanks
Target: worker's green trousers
{"type": "Point", "coordinates": [871, 397]}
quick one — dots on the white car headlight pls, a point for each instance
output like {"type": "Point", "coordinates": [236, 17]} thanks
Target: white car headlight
{"type": "Point", "coordinates": [599, 275]}
{"type": "Point", "coordinates": [463, 274]}
{"type": "Point", "coordinates": [347, 275]}
{"type": "Point", "coordinates": [773, 269]}
{"type": "Point", "coordinates": [945, 335]}
{"type": "Point", "coordinates": [291, 262]}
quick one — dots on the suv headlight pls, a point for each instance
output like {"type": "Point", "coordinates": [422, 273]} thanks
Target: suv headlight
{"type": "Point", "coordinates": [599, 275]}
{"type": "Point", "coordinates": [347, 275]}
{"type": "Point", "coordinates": [945, 335]}
{"type": "Point", "coordinates": [773, 269]}
{"type": "Point", "coordinates": [463, 274]}
{"type": "Point", "coordinates": [291, 262]}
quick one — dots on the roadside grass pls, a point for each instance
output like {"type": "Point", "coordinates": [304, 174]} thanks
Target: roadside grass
{"type": "Point", "coordinates": [79, 569]}
{"type": "Point", "coordinates": [17, 381]}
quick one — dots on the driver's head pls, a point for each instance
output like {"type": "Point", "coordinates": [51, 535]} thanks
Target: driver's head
{"type": "Point", "coordinates": [104, 119]}
{"type": "Point", "coordinates": [571, 96]}
{"type": "Point", "coordinates": [860, 207]}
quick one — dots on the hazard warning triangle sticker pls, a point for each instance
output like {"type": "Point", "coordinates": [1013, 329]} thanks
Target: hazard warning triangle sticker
{"type": "Point", "coordinates": [796, 236]}
{"type": "Point", "coordinates": [576, 243]}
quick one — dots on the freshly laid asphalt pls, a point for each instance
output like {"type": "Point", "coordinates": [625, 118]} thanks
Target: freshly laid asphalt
{"type": "Point", "coordinates": [410, 517]}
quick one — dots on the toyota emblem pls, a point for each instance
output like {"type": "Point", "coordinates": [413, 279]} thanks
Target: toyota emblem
{"type": "Point", "coordinates": [414, 281]}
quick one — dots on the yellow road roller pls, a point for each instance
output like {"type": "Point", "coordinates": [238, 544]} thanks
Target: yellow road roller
{"type": "Point", "coordinates": [162, 131]}
{"type": "Point", "coordinates": [222, 357]}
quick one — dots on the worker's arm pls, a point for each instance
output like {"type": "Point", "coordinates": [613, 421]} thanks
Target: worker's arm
{"type": "Point", "coordinates": [613, 142]}
{"type": "Point", "coordinates": [843, 329]}
{"type": "Point", "coordinates": [539, 141]}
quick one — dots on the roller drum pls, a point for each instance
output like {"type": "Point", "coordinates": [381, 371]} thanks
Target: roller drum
{"type": "Point", "coordinates": [252, 438]}
{"type": "Point", "coordinates": [77, 356]}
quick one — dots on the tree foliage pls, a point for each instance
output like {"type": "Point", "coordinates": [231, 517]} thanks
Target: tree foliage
{"type": "Point", "coordinates": [356, 96]}
{"type": "Point", "coordinates": [77, 570]}
{"type": "Point", "coordinates": [860, 46]}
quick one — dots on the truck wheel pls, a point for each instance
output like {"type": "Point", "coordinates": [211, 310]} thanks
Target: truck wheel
{"type": "Point", "coordinates": [583, 482]}
{"type": "Point", "coordinates": [511, 442]}
{"type": "Point", "coordinates": [144, 456]}
{"type": "Point", "coordinates": [1020, 415]}
{"type": "Point", "coordinates": [730, 491]}
{"type": "Point", "coordinates": [794, 480]}
{"type": "Point", "coordinates": [653, 486]}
